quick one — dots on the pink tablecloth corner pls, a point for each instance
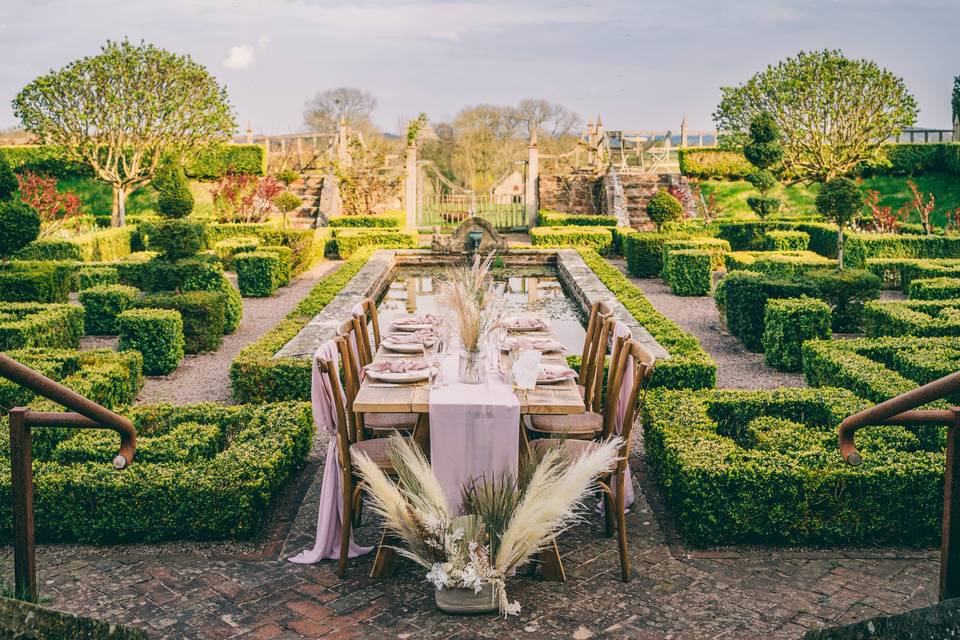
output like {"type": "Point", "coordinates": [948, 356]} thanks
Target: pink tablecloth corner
{"type": "Point", "coordinates": [474, 430]}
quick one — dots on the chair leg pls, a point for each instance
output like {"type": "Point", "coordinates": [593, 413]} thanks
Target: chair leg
{"type": "Point", "coordinates": [622, 529]}
{"type": "Point", "coordinates": [357, 509]}
{"type": "Point", "coordinates": [346, 525]}
{"type": "Point", "coordinates": [608, 508]}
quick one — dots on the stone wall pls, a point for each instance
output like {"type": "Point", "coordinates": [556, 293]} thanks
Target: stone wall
{"type": "Point", "coordinates": [579, 192]}
{"type": "Point", "coordinates": [939, 621]}
{"type": "Point", "coordinates": [24, 620]}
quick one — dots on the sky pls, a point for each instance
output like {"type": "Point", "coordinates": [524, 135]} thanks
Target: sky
{"type": "Point", "coordinates": [638, 64]}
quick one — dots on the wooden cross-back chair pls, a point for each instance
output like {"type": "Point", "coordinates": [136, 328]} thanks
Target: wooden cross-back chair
{"type": "Point", "coordinates": [590, 423]}
{"type": "Point", "coordinates": [366, 424]}
{"type": "Point", "coordinates": [613, 485]}
{"type": "Point", "coordinates": [347, 447]}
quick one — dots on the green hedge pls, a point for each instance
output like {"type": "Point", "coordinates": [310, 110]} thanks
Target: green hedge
{"type": "Point", "coordinates": [787, 323]}
{"type": "Point", "coordinates": [99, 246]}
{"type": "Point", "coordinates": [36, 281]}
{"type": "Point", "coordinates": [107, 377]}
{"type": "Point", "coordinates": [750, 235]}
{"type": "Point", "coordinates": [786, 240]}
{"type": "Point", "coordinates": [688, 272]}
{"type": "Point", "coordinates": [202, 312]}
{"type": "Point", "coordinates": [859, 247]}
{"type": "Point", "coordinates": [898, 273]}
{"type": "Point", "coordinates": [227, 249]}
{"type": "Point", "coordinates": [103, 303]}
{"type": "Point", "coordinates": [597, 238]}
{"type": "Point", "coordinates": [284, 264]}
{"type": "Point", "coordinates": [175, 239]}
{"type": "Point", "coordinates": [742, 296]}
{"type": "Point", "coordinates": [256, 376]}
{"type": "Point", "coordinates": [934, 289]}
{"type": "Point", "coordinates": [217, 483]}
{"type": "Point", "coordinates": [714, 163]}
{"type": "Point", "coordinates": [157, 334]}
{"type": "Point", "coordinates": [912, 318]}
{"type": "Point", "coordinates": [747, 467]}
{"type": "Point", "coordinates": [557, 219]}
{"type": "Point", "coordinates": [644, 252]}
{"type": "Point", "coordinates": [880, 368]}
{"type": "Point", "coordinates": [307, 245]}
{"type": "Point", "coordinates": [257, 273]}
{"type": "Point", "coordinates": [31, 324]}
{"type": "Point", "coordinates": [388, 220]}
{"type": "Point", "coordinates": [43, 159]}
{"type": "Point", "coordinates": [689, 366]}
{"type": "Point", "coordinates": [149, 272]}
{"type": "Point", "coordinates": [782, 263]}
{"type": "Point", "coordinates": [345, 242]}
{"type": "Point", "coordinates": [215, 161]}
{"type": "Point", "coordinates": [716, 247]}
{"type": "Point", "coordinates": [93, 275]}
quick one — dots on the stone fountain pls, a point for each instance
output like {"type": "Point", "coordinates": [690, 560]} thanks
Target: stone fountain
{"type": "Point", "coordinates": [473, 235]}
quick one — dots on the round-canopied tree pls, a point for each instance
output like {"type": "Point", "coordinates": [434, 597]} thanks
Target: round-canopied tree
{"type": "Point", "coordinates": [121, 110]}
{"type": "Point", "coordinates": [664, 208]}
{"type": "Point", "coordinates": [833, 113]}
{"type": "Point", "coordinates": [840, 201]}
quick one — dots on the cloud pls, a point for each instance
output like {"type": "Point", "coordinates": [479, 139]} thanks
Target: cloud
{"type": "Point", "coordinates": [241, 57]}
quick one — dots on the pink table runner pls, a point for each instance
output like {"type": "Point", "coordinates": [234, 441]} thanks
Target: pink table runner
{"type": "Point", "coordinates": [474, 430]}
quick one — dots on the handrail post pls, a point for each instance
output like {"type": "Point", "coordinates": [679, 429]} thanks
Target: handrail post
{"type": "Point", "coordinates": [21, 486]}
{"type": "Point", "coordinates": [950, 536]}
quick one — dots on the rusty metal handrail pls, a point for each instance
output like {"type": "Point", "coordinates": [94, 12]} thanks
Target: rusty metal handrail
{"type": "Point", "coordinates": [86, 414]}
{"type": "Point", "coordinates": [902, 410]}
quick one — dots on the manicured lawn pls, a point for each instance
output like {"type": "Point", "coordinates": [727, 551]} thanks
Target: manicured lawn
{"type": "Point", "coordinates": [97, 197]}
{"type": "Point", "coordinates": [798, 199]}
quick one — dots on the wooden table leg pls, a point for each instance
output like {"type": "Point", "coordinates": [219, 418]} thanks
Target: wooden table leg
{"type": "Point", "coordinates": [421, 433]}
{"type": "Point", "coordinates": [551, 563]}
{"type": "Point", "coordinates": [384, 560]}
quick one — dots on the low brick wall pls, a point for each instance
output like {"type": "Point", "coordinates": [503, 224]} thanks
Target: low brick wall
{"type": "Point", "coordinates": [24, 620]}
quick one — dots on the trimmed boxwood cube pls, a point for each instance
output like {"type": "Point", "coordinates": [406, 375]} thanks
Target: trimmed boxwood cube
{"type": "Point", "coordinates": [787, 323]}
{"type": "Point", "coordinates": [176, 238]}
{"type": "Point", "coordinates": [203, 314]}
{"type": "Point", "coordinates": [155, 333]}
{"type": "Point", "coordinates": [88, 277]}
{"type": "Point", "coordinates": [33, 324]}
{"type": "Point", "coordinates": [285, 265]}
{"type": "Point", "coordinates": [103, 303]}
{"type": "Point", "coordinates": [257, 273]}
{"type": "Point", "coordinates": [785, 240]}
{"type": "Point", "coordinates": [227, 249]}
{"type": "Point", "coordinates": [689, 272]}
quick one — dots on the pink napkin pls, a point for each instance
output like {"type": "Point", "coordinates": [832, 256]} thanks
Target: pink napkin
{"type": "Point", "coordinates": [409, 320]}
{"type": "Point", "coordinates": [540, 344]}
{"type": "Point", "coordinates": [417, 337]}
{"type": "Point", "coordinates": [525, 322]}
{"type": "Point", "coordinates": [394, 366]}
{"type": "Point", "coordinates": [556, 373]}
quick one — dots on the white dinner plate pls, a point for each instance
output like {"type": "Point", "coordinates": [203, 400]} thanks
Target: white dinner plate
{"type": "Point", "coordinates": [551, 367]}
{"type": "Point", "coordinates": [404, 376]}
{"type": "Point", "coordinates": [506, 345]}
{"type": "Point", "coordinates": [405, 347]}
{"type": "Point", "coordinates": [411, 327]}
{"type": "Point", "coordinates": [510, 326]}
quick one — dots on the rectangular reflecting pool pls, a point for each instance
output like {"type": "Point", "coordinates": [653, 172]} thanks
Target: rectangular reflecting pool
{"type": "Point", "coordinates": [538, 292]}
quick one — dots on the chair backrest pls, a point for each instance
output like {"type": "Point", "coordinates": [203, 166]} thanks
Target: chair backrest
{"type": "Point", "coordinates": [626, 353]}
{"type": "Point", "coordinates": [591, 365]}
{"type": "Point", "coordinates": [364, 348]}
{"type": "Point", "coordinates": [370, 309]}
{"type": "Point", "coordinates": [344, 439]}
{"type": "Point", "coordinates": [351, 373]}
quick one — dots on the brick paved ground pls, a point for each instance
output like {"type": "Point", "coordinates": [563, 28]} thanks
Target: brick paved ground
{"type": "Point", "coordinates": [676, 592]}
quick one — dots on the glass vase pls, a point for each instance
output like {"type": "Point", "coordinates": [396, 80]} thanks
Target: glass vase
{"type": "Point", "coordinates": [473, 367]}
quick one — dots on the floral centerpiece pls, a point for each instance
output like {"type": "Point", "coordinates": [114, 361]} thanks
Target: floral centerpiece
{"type": "Point", "coordinates": [507, 519]}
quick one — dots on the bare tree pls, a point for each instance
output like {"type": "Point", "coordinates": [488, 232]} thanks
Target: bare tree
{"type": "Point", "coordinates": [549, 119]}
{"type": "Point", "coordinates": [324, 111]}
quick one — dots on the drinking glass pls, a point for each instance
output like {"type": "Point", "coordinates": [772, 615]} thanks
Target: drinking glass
{"type": "Point", "coordinates": [430, 355]}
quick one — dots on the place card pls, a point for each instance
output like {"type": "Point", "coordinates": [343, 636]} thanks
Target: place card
{"type": "Point", "coordinates": [526, 369]}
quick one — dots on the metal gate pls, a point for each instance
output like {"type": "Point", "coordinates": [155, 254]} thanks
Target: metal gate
{"type": "Point", "coordinates": [442, 203]}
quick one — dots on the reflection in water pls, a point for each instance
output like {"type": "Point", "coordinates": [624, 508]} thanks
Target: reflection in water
{"type": "Point", "coordinates": [539, 295]}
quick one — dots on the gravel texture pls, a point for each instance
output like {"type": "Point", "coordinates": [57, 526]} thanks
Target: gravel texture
{"type": "Point", "coordinates": [737, 368]}
{"type": "Point", "coordinates": [205, 377]}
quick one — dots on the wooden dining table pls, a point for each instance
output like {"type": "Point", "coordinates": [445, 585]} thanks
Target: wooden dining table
{"type": "Point", "coordinates": [558, 398]}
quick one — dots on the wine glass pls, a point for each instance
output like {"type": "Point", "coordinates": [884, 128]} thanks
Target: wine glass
{"type": "Point", "coordinates": [430, 347]}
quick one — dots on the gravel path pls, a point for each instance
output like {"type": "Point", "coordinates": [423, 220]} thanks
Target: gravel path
{"type": "Point", "coordinates": [737, 368]}
{"type": "Point", "coordinates": [206, 377]}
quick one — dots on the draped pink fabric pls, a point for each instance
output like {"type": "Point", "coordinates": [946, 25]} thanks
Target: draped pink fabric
{"type": "Point", "coordinates": [621, 330]}
{"type": "Point", "coordinates": [330, 516]}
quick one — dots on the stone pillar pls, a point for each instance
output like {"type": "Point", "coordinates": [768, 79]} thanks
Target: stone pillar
{"type": "Point", "coordinates": [532, 195]}
{"type": "Point", "coordinates": [599, 134]}
{"type": "Point", "coordinates": [956, 129]}
{"type": "Point", "coordinates": [591, 143]}
{"type": "Point", "coordinates": [683, 133]}
{"type": "Point", "coordinates": [410, 185]}
{"type": "Point", "coordinates": [249, 133]}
